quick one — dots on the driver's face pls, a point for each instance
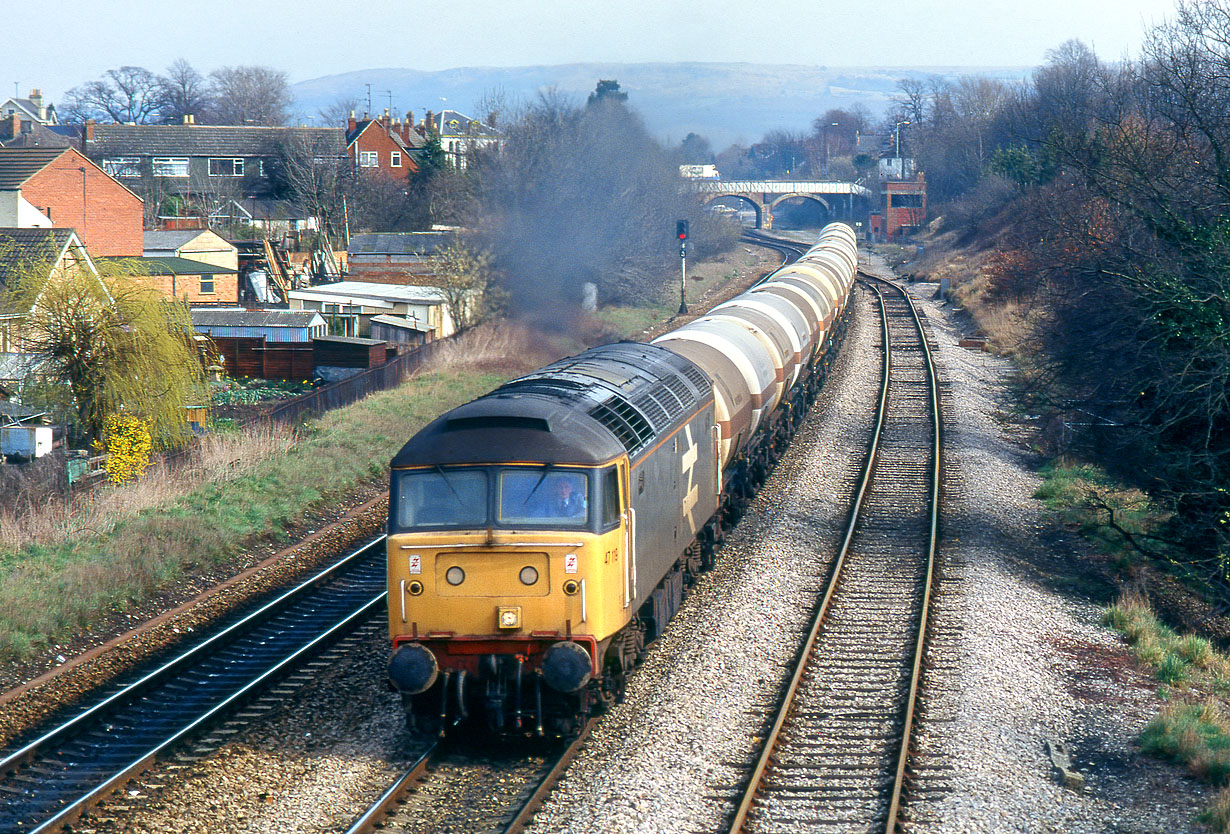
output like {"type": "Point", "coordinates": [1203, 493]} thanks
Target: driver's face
{"type": "Point", "coordinates": [564, 489]}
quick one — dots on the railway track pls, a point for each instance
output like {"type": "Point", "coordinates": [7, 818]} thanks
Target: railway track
{"type": "Point", "coordinates": [835, 758]}
{"type": "Point", "coordinates": [499, 798]}
{"type": "Point", "coordinates": [50, 781]}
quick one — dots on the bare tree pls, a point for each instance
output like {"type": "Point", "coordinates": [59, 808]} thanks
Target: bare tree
{"type": "Point", "coordinates": [185, 92]}
{"type": "Point", "coordinates": [315, 171]}
{"type": "Point", "coordinates": [337, 111]}
{"type": "Point", "coordinates": [251, 95]}
{"type": "Point", "coordinates": [128, 95]}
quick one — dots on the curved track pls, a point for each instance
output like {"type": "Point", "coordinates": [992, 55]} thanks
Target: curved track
{"type": "Point", "coordinates": [52, 780]}
{"type": "Point", "coordinates": [835, 759]}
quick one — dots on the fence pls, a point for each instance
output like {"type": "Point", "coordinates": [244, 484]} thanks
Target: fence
{"type": "Point", "coordinates": [338, 394]}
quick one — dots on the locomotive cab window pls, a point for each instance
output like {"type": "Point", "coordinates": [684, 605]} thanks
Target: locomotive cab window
{"type": "Point", "coordinates": [559, 498]}
{"type": "Point", "coordinates": [611, 507]}
{"type": "Point", "coordinates": [442, 498]}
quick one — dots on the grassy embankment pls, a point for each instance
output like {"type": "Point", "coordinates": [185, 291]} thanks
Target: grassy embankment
{"type": "Point", "coordinates": [65, 565]}
{"type": "Point", "coordinates": [1193, 728]}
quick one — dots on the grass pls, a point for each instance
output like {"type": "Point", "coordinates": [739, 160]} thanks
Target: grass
{"type": "Point", "coordinates": [1193, 730]}
{"type": "Point", "coordinates": [64, 565]}
{"type": "Point", "coordinates": [1104, 510]}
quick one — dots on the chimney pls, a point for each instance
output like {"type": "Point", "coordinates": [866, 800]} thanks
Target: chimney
{"type": "Point", "coordinates": [428, 123]}
{"type": "Point", "coordinates": [189, 119]}
{"type": "Point", "coordinates": [87, 133]}
{"type": "Point", "coordinates": [352, 124]}
{"type": "Point", "coordinates": [36, 98]}
{"type": "Point", "coordinates": [10, 126]}
{"type": "Point", "coordinates": [384, 120]}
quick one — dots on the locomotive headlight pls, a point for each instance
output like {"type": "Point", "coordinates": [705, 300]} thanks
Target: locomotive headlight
{"type": "Point", "coordinates": [455, 575]}
{"type": "Point", "coordinates": [571, 587]}
{"type": "Point", "coordinates": [528, 575]}
{"type": "Point", "coordinates": [508, 617]}
{"type": "Point", "coordinates": [415, 588]}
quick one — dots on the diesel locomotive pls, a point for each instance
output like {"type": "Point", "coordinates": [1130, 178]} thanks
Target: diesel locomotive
{"type": "Point", "coordinates": [541, 535]}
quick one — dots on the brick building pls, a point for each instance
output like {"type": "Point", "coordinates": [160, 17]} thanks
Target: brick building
{"type": "Point", "coordinates": [71, 192]}
{"type": "Point", "coordinates": [903, 209]}
{"type": "Point", "coordinates": [383, 144]}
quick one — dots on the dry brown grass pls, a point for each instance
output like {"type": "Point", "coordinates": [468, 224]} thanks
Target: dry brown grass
{"type": "Point", "coordinates": [220, 457]}
{"type": "Point", "coordinates": [504, 347]}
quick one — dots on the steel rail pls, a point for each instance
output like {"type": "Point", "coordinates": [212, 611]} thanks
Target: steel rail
{"type": "Point", "coordinates": [894, 807]}
{"type": "Point", "coordinates": [76, 808]}
{"type": "Point", "coordinates": [534, 803]}
{"type": "Point", "coordinates": [379, 809]}
{"type": "Point", "coordinates": [762, 762]}
{"type": "Point", "coordinates": [148, 685]}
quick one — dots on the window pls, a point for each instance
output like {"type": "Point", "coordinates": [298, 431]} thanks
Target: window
{"type": "Point", "coordinates": [226, 167]}
{"type": "Point", "coordinates": [442, 498]}
{"type": "Point", "coordinates": [207, 285]}
{"type": "Point", "coordinates": [395, 159]}
{"type": "Point", "coordinates": [610, 497]}
{"type": "Point", "coordinates": [122, 166]}
{"type": "Point", "coordinates": [557, 498]}
{"type": "Point", "coordinates": [170, 166]}
{"type": "Point", "coordinates": [369, 159]}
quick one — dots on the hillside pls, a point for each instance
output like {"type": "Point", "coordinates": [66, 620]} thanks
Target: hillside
{"type": "Point", "coordinates": [725, 102]}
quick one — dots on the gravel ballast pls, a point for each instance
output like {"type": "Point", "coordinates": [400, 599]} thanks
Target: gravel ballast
{"type": "Point", "coordinates": [1015, 664]}
{"type": "Point", "coordinates": [1024, 664]}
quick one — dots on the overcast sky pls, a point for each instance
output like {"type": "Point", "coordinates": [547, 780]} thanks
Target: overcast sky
{"type": "Point", "coordinates": [58, 45]}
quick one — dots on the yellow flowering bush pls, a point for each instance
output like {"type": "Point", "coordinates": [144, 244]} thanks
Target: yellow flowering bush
{"type": "Point", "coordinates": [127, 442]}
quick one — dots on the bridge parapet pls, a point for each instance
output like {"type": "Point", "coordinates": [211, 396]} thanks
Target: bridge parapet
{"type": "Point", "coordinates": [837, 197]}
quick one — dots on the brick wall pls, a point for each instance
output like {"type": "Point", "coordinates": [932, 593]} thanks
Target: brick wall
{"type": "Point", "coordinates": [106, 215]}
{"type": "Point", "coordinates": [226, 287]}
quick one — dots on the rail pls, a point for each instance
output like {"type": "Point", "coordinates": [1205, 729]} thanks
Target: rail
{"type": "Point", "coordinates": [770, 755]}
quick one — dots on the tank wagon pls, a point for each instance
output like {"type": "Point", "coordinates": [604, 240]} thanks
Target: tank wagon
{"type": "Point", "coordinates": [541, 535]}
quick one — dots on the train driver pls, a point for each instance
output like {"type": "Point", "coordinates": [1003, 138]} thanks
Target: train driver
{"type": "Point", "coordinates": [565, 500]}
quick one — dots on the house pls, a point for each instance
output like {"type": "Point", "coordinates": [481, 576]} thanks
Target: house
{"type": "Point", "coordinates": [396, 257]}
{"type": "Point", "coordinates": [193, 244]}
{"type": "Point", "coordinates": [29, 110]}
{"type": "Point", "coordinates": [188, 158]}
{"type": "Point", "coordinates": [349, 306]}
{"type": "Point", "coordinates": [58, 254]}
{"type": "Point", "coordinates": [16, 133]}
{"type": "Point", "coordinates": [70, 192]}
{"type": "Point", "coordinates": [460, 135]}
{"type": "Point", "coordinates": [387, 146]}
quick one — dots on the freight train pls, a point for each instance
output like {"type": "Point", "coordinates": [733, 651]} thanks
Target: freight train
{"type": "Point", "coordinates": [541, 535]}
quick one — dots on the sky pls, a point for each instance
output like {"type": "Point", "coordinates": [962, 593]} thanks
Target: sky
{"type": "Point", "coordinates": [58, 45]}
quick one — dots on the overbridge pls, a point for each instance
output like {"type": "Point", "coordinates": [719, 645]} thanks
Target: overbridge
{"type": "Point", "coordinates": [837, 198]}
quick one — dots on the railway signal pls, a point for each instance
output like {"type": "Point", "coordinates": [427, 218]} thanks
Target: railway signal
{"type": "Point", "coordinates": [681, 232]}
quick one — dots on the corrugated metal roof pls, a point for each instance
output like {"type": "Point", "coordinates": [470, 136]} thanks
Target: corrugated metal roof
{"type": "Point", "coordinates": [214, 317]}
{"type": "Point", "coordinates": [349, 340]}
{"type": "Point", "coordinates": [397, 293]}
{"type": "Point", "coordinates": [403, 323]}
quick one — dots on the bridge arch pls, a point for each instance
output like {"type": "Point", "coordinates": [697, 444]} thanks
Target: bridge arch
{"type": "Point", "coordinates": [742, 199]}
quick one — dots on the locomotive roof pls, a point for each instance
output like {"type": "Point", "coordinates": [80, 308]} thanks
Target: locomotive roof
{"type": "Point", "coordinates": [587, 409]}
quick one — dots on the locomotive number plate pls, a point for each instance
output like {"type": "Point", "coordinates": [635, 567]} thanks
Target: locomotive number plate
{"type": "Point", "coordinates": [570, 563]}
{"type": "Point", "coordinates": [416, 563]}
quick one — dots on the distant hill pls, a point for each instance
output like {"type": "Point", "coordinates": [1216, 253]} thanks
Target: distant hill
{"type": "Point", "coordinates": [724, 102]}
